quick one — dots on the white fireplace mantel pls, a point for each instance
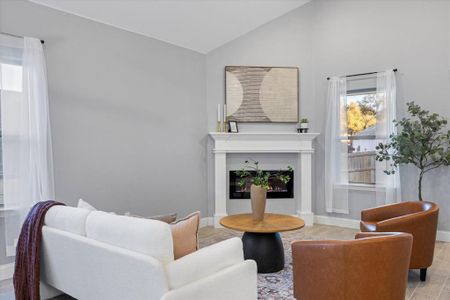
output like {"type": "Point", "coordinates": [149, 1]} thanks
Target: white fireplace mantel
{"type": "Point", "coordinates": [301, 143]}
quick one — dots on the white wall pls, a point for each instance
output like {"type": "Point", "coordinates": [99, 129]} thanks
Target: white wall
{"type": "Point", "coordinates": [337, 37]}
{"type": "Point", "coordinates": [127, 113]}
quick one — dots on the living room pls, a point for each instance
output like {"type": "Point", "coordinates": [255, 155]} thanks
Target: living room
{"type": "Point", "coordinates": [253, 127]}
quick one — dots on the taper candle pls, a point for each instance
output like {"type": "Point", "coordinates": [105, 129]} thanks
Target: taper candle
{"type": "Point", "coordinates": [224, 118]}
{"type": "Point", "coordinates": [219, 115]}
{"type": "Point", "coordinates": [224, 112]}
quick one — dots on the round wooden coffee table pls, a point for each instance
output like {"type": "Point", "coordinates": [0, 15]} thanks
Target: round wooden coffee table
{"type": "Point", "coordinates": [261, 239]}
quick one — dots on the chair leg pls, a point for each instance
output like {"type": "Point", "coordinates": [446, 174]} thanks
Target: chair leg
{"type": "Point", "coordinates": [423, 274]}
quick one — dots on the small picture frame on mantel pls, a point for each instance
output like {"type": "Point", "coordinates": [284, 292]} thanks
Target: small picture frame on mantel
{"type": "Point", "coordinates": [233, 127]}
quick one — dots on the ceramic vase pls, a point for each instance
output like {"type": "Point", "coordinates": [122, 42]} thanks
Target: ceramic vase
{"type": "Point", "coordinates": [258, 197]}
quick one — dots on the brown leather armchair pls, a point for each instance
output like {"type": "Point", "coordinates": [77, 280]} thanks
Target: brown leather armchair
{"type": "Point", "coordinates": [372, 267]}
{"type": "Point", "coordinates": [419, 218]}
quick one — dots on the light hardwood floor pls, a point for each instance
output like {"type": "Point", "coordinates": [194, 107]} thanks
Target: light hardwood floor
{"type": "Point", "coordinates": [437, 286]}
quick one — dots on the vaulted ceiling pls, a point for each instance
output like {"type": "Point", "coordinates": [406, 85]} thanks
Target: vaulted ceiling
{"type": "Point", "coordinates": [199, 25]}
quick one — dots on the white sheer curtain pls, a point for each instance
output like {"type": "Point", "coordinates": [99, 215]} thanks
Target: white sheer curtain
{"type": "Point", "coordinates": [336, 147]}
{"type": "Point", "coordinates": [386, 188]}
{"type": "Point", "coordinates": [389, 190]}
{"type": "Point", "coordinates": [26, 139]}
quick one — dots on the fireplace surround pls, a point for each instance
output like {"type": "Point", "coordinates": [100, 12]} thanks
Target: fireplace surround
{"type": "Point", "coordinates": [262, 142]}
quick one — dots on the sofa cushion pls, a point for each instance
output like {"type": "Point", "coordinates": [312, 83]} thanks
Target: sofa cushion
{"type": "Point", "coordinates": [145, 236]}
{"type": "Point", "coordinates": [70, 219]}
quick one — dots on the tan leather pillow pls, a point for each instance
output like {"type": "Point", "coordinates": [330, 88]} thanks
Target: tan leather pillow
{"type": "Point", "coordinates": [185, 235]}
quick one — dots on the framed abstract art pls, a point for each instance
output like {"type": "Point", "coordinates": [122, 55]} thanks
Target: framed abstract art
{"type": "Point", "coordinates": [262, 94]}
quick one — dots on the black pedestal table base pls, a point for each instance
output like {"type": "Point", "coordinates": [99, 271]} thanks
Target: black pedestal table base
{"type": "Point", "coordinates": [266, 249]}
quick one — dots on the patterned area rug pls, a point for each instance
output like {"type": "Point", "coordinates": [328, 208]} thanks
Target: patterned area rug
{"type": "Point", "coordinates": [277, 285]}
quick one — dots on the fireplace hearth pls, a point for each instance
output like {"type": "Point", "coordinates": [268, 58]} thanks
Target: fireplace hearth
{"type": "Point", "coordinates": [277, 189]}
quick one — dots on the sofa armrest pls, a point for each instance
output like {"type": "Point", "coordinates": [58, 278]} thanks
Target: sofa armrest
{"type": "Point", "coordinates": [236, 282]}
{"type": "Point", "coordinates": [204, 262]}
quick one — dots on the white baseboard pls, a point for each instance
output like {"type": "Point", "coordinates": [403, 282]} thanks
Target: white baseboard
{"type": "Point", "coordinates": [208, 221]}
{"type": "Point", "coordinates": [6, 271]}
{"type": "Point", "coordinates": [216, 220]}
{"type": "Point", "coordinates": [307, 217]}
{"type": "Point", "coordinates": [333, 221]}
{"type": "Point", "coordinates": [443, 236]}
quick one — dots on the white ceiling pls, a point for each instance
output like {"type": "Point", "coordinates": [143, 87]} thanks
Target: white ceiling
{"type": "Point", "coordinates": [200, 25]}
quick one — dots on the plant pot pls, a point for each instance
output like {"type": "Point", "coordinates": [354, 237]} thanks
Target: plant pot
{"type": "Point", "coordinates": [303, 128]}
{"type": "Point", "coordinates": [258, 197]}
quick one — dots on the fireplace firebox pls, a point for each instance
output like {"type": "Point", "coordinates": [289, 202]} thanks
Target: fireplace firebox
{"type": "Point", "coordinates": [277, 189]}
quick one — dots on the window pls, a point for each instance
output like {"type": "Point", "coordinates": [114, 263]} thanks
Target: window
{"type": "Point", "coordinates": [360, 115]}
{"type": "Point", "coordinates": [362, 110]}
{"type": "Point", "coordinates": [11, 78]}
{"type": "Point", "coordinates": [10, 92]}
{"type": "Point", "coordinates": [27, 175]}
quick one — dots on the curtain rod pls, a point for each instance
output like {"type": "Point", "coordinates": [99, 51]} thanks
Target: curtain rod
{"type": "Point", "coordinates": [18, 36]}
{"type": "Point", "coordinates": [361, 74]}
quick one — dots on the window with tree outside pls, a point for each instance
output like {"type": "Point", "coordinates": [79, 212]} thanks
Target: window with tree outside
{"type": "Point", "coordinates": [361, 122]}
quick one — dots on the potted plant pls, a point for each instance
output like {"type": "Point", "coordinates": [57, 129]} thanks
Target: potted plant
{"type": "Point", "coordinates": [259, 185]}
{"type": "Point", "coordinates": [421, 141]}
{"type": "Point", "coordinates": [303, 126]}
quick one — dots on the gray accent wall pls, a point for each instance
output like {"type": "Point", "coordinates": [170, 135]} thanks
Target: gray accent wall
{"type": "Point", "coordinates": [128, 114]}
{"type": "Point", "coordinates": [337, 37]}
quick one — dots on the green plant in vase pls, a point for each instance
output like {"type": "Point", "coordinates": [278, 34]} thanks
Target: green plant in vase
{"type": "Point", "coordinates": [303, 125]}
{"type": "Point", "coordinates": [259, 180]}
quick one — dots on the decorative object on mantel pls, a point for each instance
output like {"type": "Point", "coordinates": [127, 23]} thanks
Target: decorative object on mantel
{"type": "Point", "coordinates": [224, 123]}
{"type": "Point", "coordinates": [259, 184]}
{"type": "Point", "coordinates": [421, 142]}
{"type": "Point", "coordinates": [233, 127]}
{"type": "Point", "coordinates": [219, 119]}
{"type": "Point", "coordinates": [303, 126]}
{"type": "Point", "coordinates": [262, 94]}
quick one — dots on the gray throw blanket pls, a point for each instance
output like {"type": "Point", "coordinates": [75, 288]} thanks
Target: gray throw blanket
{"type": "Point", "coordinates": [28, 253]}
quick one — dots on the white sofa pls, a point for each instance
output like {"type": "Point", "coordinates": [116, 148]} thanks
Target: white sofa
{"type": "Point", "coordinates": [97, 255]}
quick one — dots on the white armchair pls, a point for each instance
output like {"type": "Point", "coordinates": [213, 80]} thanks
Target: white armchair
{"type": "Point", "coordinates": [96, 255]}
